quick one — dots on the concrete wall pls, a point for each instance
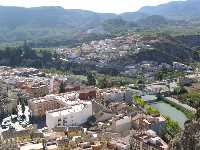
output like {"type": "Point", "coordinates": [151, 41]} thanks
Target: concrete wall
{"type": "Point", "coordinates": [71, 119]}
{"type": "Point", "coordinates": [121, 125]}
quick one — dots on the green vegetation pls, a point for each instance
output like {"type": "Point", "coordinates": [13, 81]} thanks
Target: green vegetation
{"type": "Point", "coordinates": [119, 26]}
{"type": "Point", "coordinates": [14, 111]}
{"type": "Point", "coordinates": [54, 71]}
{"type": "Point", "coordinates": [153, 21]}
{"type": "Point", "coordinates": [107, 81]}
{"type": "Point", "coordinates": [189, 114]}
{"type": "Point", "coordinates": [91, 78]}
{"type": "Point", "coordinates": [23, 107]}
{"type": "Point", "coordinates": [149, 109]}
{"type": "Point", "coordinates": [167, 74]}
{"type": "Point", "coordinates": [103, 83]}
{"type": "Point", "coordinates": [24, 56]}
{"type": "Point", "coordinates": [191, 98]}
{"type": "Point", "coordinates": [47, 26]}
{"type": "Point", "coordinates": [169, 130]}
{"type": "Point", "coordinates": [21, 99]}
{"type": "Point", "coordinates": [139, 101]}
{"type": "Point", "coordinates": [195, 65]}
{"type": "Point", "coordinates": [62, 88]}
{"type": "Point", "coordinates": [55, 26]}
{"type": "Point", "coordinates": [180, 90]}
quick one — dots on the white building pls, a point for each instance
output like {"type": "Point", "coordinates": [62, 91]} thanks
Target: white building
{"type": "Point", "coordinates": [118, 94]}
{"type": "Point", "coordinates": [71, 115]}
{"type": "Point", "coordinates": [154, 89]}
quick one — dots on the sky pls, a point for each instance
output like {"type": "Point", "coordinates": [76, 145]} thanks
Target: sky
{"type": "Point", "coordinates": [108, 6]}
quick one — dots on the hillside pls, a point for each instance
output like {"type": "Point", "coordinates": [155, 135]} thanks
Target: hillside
{"type": "Point", "coordinates": [133, 16]}
{"type": "Point", "coordinates": [175, 10]}
{"type": "Point", "coordinates": [57, 26]}
{"type": "Point", "coordinates": [153, 21]}
{"type": "Point", "coordinates": [19, 23]}
{"type": "Point", "coordinates": [163, 49]}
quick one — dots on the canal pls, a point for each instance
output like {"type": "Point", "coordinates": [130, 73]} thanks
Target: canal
{"type": "Point", "coordinates": [167, 110]}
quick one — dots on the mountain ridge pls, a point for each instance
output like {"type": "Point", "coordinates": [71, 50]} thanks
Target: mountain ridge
{"type": "Point", "coordinates": [175, 10]}
{"type": "Point", "coordinates": [53, 22]}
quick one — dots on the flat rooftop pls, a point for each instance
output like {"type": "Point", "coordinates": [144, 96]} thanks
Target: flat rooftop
{"type": "Point", "coordinates": [67, 98]}
{"type": "Point", "coordinates": [68, 110]}
{"type": "Point", "coordinates": [31, 146]}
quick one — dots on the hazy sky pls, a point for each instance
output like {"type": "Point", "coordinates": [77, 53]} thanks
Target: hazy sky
{"type": "Point", "coordinates": [114, 6]}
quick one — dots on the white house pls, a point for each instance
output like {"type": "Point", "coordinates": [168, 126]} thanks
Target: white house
{"type": "Point", "coordinates": [71, 115]}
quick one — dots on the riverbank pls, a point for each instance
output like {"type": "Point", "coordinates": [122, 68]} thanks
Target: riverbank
{"type": "Point", "coordinates": [188, 111]}
{"type": "Point", "coordinates": [173, 113]}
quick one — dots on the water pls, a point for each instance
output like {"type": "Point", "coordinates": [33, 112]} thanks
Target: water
{"type": "Point", "coordinates": [167, 110]}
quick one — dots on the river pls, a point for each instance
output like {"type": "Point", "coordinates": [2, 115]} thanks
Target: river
{"type": "Point", "coordinates": [167, 110]}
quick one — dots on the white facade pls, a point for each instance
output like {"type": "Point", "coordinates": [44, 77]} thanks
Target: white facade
{"type": "Point", "coordinates": [73, 115]}
{"type": "Point", "coordinates": [121, 94]}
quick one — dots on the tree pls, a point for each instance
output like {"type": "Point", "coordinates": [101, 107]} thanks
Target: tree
{"type": "Point", "coordinates": [28, 52]}
{"type": "Point", "coordinates": [14, 111]}
{"type": "Point", "coordinates": [62, 88]}
{"type": "Point", "coordinates": [180, 90]}
{"type": "Point", "coordinates": [23, 107]}
{"type": "Point", "coordinates": [151, 111]}
{"type": "Point", "coordinates": [170, 129]}
{"type": "Point", "coordinates": [137, 100]}
{"type": "Point", "coordinates": [19, 98]}
{"type": "Point", "coordinates": [197, 115]}
{"type": "Point", "coordinates": [102, 83]}
{"type": "Point", "coordinates": [91, 78]}
{"type": "Point", "coordinates": [159, 75]}
{"type": "Point", "coordinates": [91, 120]}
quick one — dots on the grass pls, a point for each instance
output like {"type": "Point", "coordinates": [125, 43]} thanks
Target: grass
{"type": "Point", "coordinates": [149, 109]}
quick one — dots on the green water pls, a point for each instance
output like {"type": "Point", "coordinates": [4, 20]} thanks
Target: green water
{"type": "Point", "coordinates": [173, 113]}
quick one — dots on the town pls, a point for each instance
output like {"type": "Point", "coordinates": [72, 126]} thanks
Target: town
{"type": "Point", "coordinates": [49, 111]}
{"type": "Point", "coordinates": [100, 75]}
{"type": "Point", "coordinates": [126, 49]}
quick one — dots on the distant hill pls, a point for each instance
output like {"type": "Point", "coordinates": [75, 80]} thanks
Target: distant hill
{"type": "Point", "coordinates": [45, 24]}
{"type": "Point", "coordinates": [118, 25]}
{"type": "Point", "coordinates": [175, 10]}
{"type": "Point", "coordinates": [133, 16]}
{"type": "Point", "coordinates": [19, 23]}
{"type": "Point", "coordinates": [153, 21]}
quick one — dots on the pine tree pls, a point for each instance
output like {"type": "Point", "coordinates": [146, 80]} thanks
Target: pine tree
{"type": "Point", "coordinates": [23, 107]}
{"type": "Point", "coordinates": [91, 79]}
{"type": "Point", "coordinates": [62, 88]}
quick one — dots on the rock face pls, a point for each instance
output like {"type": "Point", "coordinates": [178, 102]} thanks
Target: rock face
{"type": "Point", "coordinates": [189, 139]}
